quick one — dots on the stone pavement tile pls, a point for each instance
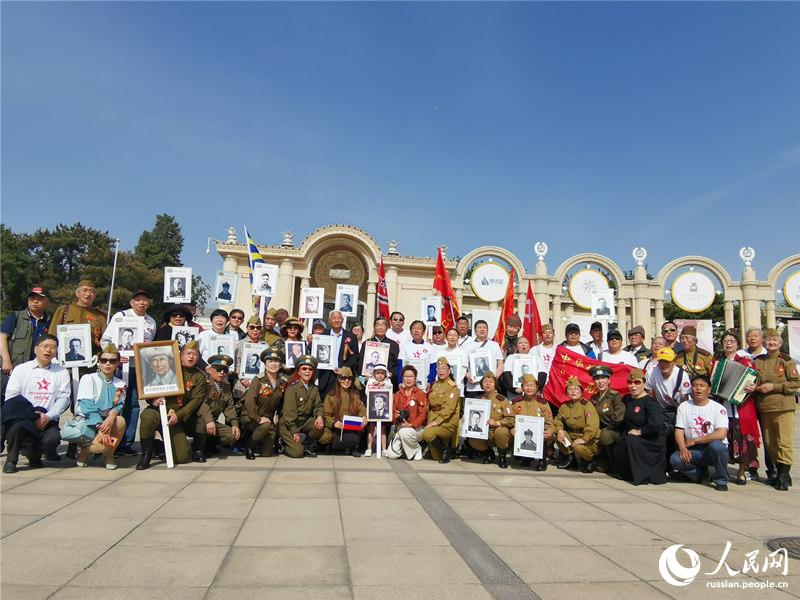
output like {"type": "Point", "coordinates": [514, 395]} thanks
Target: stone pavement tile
{"type": "Point", "coordinates": [161, 474]}
{"type": "Point", "coordinates": [95, 506]}
{"type": "Point", "coordinates": [477, 467]}
{"type": "Point", "coordinates": [574, 512]}
{"type": "Point", "coordinates": [65, 530]}
{"type": "Point", "coordinates": [58, 487]}
{"type": "Point", "coordinates": [44, 564]}
{"type": "Point", "coordinates": [378, 490]}
{"type": "Point", "coordinates": [404, 592]}
{"type": "Point", "coordinates": [299, 490]}
{"type": "Point", "coordinates": [13, 591]}
{"type": "Point", "coordinates": [248, 489]}
{"type": "Point", "coordinates": [372, 565]}
{"type": "Point", "coordinates": [139, 489]}
{"type": "Point", "coordinates": [305, 476]}
{"type": "Point", "coordinates": [239, 462]}
{"type": "Point", "coordinates": [612, 532]}
{"type": "Point", "coordinates": [179, 532]}
{"type": "Point", "coordinates": [232, 476]}
{"type": "Point", "coordinates": [317, 509]}
{"type": "Point", "coordinates": [178, 508]}
{"type": "Point", "coordinates": [367, 477]}
{"type": "Point", "coordinates": [194, 566]}
{"type": "Point", "coordinates": [323, 461]}
{"type": "Point", "coordinates": [549, 564]}
{"type": "Point", "coordinates": [640, 560]}
{"type": "Point", "coordinates": [464, 492]}
{"type": "Point", "coordinates": [498, 532]}
{"type": "Point", "coordinates": [666, 495]}
{"type": "Point", "coordinates": [33, 504]}
{"type": "Point", "coordinates": [699, 590]}
{"type": "Point", "coordinates": [365, 462]}
{"type": "Point", "coordinates": [763, 508]}
{"type": "Point", "coordinates": [503, 481]}
{"type": "Point", "coordinates": [337, 592]}
{"type": "Point", "coordinates": [538, 494]}
{"type": "Point", "coordinates": [598, 591]}
{"type": "Point", "coordinates": [384, 532]}
{"type": "Point", "coordinates": [31, 474]}
{"type": "Point", "coordinates": [695, 532]}
{"type": "Point", "coordinates": [576, 481]}
{"type": "Point", "coordinates": [252, 567]}
{"type": "Point", "coordinates": [764, 529]}
{"type": "Point", "coordinates": [11, 523]}
{"type": "Point", "coordinates": [374, 509]}
{"type": "Point", "coordinates": [707, 511]}
{"type": "Point", "coordinates": [129, 593]}
{"type": "Point", "coordinates": [290, 532]}
{"type": "Point", "coordinates": [454, 466]}
{"type": "Point", "coordinates": [455, 479]}
{"type": "Point", "coordinates": [643, 511]}
{"type": "Point", "coordinates": [9, 482]}
{"type": "Point", "coordinates": [94, 472]}
{"type": "Point", "coordinates": [605, 495]}
{"type": "Point", "coordinates": [489, 509]}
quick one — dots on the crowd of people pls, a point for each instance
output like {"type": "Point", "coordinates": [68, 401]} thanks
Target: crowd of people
{"type": "Point", "coordinates": [667, 425]}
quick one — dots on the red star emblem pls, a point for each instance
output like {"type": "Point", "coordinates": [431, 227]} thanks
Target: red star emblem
{"type": "Point", "coordinates": [44, 384]}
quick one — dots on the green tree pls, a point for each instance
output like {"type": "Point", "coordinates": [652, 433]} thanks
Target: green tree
{"type": "Point", "coordinates": [162, 245]}
{"type": "Point", "coordinates": [15, 275]}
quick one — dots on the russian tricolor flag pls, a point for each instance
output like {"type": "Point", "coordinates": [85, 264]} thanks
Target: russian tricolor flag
{"type": "Point", "coordinates": [352, 423]}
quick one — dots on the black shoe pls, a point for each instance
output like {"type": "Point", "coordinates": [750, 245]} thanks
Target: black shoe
{"type": "Point", "coordinates": [10, 466]}
{"type": "Point", "coordinates": [589, 467]}
{"type": "Point", "coordinates": [307, 451]}
{"type": "Point", "coordinates": [199, 456]}
{"type": "Point", "coordinates": [127, 451]}
{"type": "Point", "coordinates": [566, 462]}
{"type": "Point", "coordinates": [144, 462]}
{"type": "Point", "coordinates": [488, 457]}
{"type": "Point", "coordinates": [444, 450]}
{"type": "Point", "coordinates": [54, 457]}
{"type": "Point", "coordinates": [249, 454]}
{"type": "Point", "coordinates": [542, 466]}
{"type": "Point", "coordinates": [35, 464]}
{"type": "Point", "coordinates": [355, 453]}
{"type": "Point", "coordinates": [502, 461]}
{"type": "Point", "coordinates": [525, 462]}
{"type": "Point", "coordinates": [721, 487]}
{"type": "Point", "coordinates": [703, 473]}
{"type": "Point", "coordinates": [782, 480]}
{"type": "Point", "coordinates": [72, 451]}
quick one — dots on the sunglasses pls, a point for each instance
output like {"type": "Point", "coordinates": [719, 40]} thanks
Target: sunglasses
{"type": "Point", "coordinates": [306, 368]}
{"type": "Point", "coordinates": [219, 369]}
{"type": "Point", "coordinates": [254, 326]}
{"type": "Point", "coordinates": [635, 381]}
{"type": "Point", "coordinates": [237, 317]}
{"type": "Point", "coordinates": [668, 330]}
{"type": "Point", "coordinates": [345, 378]}
{"type": "Point", "coordinates": [398, 319]}
{"type": "Point", "coordinates": [107, 361]}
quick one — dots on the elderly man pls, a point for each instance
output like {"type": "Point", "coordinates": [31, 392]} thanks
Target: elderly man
{"type": "Point", "coordinates": [651, 362]}
{"type": "Point", "coordinates": [380, 328]}
{"type": "Point", "coordinates": [82, 311]}
{"type": "Point", "coordinates": [754, 337]}
{"type": "Point", "coordinates": [670, 385]}
{"type": "Point", "coordinates": [611, 411]}
{"type": "Point", "coordinates": [636, 343]}
{"type": "Point", "coordinates": [573, 342]}
{"type": "Point", "coordinates": [694, 359]}
{"type": "Point", "coordinates": [670, 332]}
{"type": "Point", "coordinates": [269, 334]}
{"type": "Point", "coordinates": [21, 330]}
{"type": "Point", "coordinates": [345, 352]}
{"type": "Point", "coordinates": [38, 392]}
{"type": "Point", "coordinates": [597, 344]}
{"type": "Point", "coordinates": [615, 354]}
{"type": "Point", "coordinates": [474, 389]}
{"type": "Point", "coordinates": [280, 318]}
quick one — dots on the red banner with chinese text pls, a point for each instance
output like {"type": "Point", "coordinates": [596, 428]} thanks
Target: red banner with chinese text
{"type": "Point", "coordinates": [567, 363]}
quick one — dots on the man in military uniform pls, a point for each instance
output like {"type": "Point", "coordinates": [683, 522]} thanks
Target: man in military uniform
{"type": "Point", "coordinates": [82, 311]}
{"type": "Point", "coordinates": [262, 402]}
{"type": "Point", "coordinates": [180, 410]}
{"type": "Point", "coordinates": [443, 403]}
{"type": "Point", "coordinates": [694, 360]}
{"type": "Point", "coordinates": [219, 400]}
{"type": "Point", "coordinates": [501, 422]}
{"type": "Point", "coordinates": [611, 411]}
{"type": "Point", "coordinates": [775, 401]}
{"type": "Point", "coordinates": [577, 428]}
{"type": "Point", "coordinates": [301, 423]}
{"type": "Point", "coordinates": [269, 335]}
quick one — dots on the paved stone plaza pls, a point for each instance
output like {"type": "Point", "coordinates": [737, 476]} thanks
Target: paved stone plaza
{"type": "Point", "coordinates": [342, 527]}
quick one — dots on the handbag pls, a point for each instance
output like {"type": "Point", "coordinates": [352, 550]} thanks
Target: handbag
{"type": "Point", "coordinates": [77, 430]}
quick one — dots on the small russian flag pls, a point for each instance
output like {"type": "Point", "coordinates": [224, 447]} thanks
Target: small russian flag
{"type": "Point", "coordinates": [352, 423]}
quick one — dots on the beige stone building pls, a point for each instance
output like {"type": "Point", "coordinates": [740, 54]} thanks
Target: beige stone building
{"type": "Point", "coordinates": [344, 254]}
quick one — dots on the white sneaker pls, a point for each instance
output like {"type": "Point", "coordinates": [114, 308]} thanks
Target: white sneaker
{"type": "Point", "coordinates": [418, 454]}
{"type": "Point", "coordinates": [368, 452]}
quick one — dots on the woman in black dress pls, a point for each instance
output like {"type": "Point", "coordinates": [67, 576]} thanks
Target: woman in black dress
{"type": "Point", "coordinates": [640, 455]}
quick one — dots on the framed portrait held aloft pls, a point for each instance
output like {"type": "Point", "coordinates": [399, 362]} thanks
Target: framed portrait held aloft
{"type": "Point", "coordinates": [346, 299]}
{"type": "Point", "coordinates": [603, 306]}
{"type": "Point", "coordinates": [379, 405]}
{"type": "Point", "coordinates": [158, 369]}
{"type": "Point", "coordinates": [184, 334]}
{"type": "Point", "coordinates": [177, 285]}
{"type": "Point", "coordinates": [529, 436]}
{"type": "Point", "coordinates": [475, 422]}
{"type": "Point", "coordinates": [225, 287]}
{"type": "Point", "coordinates": [322, 349]}
{"type": "Point", "coordinates": [430, 310]}
{"type": "Point", "coordinates": [526, 364]}
{"type": "Point", "coordinates": [75, 345]}
{"type": "Point", "coordinates": [250, 364]}
{"type": "Point", "coordinates": [480, 362]}
{"type": "Point", "coordinates": [125, 332]}
{"type": "Point", "coordinates": [375, 353]}
{"type": "Point", "coordinates": [265, 280]}
{"type": "Point", "coordinates": [293, 350]}
{"type": "Point", "coordinates": [312, 303]}
{"type": "Point", "coordinates": [218, 343]}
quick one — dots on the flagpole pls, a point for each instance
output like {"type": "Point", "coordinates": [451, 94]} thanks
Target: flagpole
{"type": "Point", "coordinates": [113, 278]}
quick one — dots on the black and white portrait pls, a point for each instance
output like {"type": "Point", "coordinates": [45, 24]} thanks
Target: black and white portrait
{"type": "Point", "coordinates": [125, 335]}
{"type": "Point", "coordinates": [177, 285]}
{"type": "Point", "coordinates": [125, 332]}
{"type": "Point", "coordinates": [311, 303]}
{"type": "Point", "coordinates": [529, 436]}
{"type": "Point", "coordinates": [294, 350]}
{"type": "Point", "coordinates": [475, 423]}
{"type": "Point", "coordinates": [75, 345]}
{"type": "Point", "coordinates": [523, 364]}
{"type": "Point", "coordinates": [183, 335]}
{"type": "Point", "coordinates": [375, 353]}
{"type": "Point", "coordinates": [225, 288]}
{"type": "Point", "coordinates": [431, 310]}
{"type": "Point", "coordinates": [480, 362]}
{"type": "Point", "coordinates": [603, 304]}
{"type": "Point", "coordinates": [252, 365]}
{"type": "Point", "coordinates": [265, 280]}
{"type": "Point", "coordinates": [347, 299]}
{"type": "Point", "coordinates": [379, 405]}
{"type": "Point", "coordinates": [322, 349]}
{"type": "Point", "coordinates": [249, 361]}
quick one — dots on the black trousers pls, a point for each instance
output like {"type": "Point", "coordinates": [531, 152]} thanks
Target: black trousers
{"type": "Point", "coordinates": [20, 440]}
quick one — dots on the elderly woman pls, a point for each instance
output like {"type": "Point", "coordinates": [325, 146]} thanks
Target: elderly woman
{"type": "Point", "coordinates": [175, 315]}
{"type": "Point", "coordinates": [358, 331]}
{"type": "Point", "coordinates": [413, 403]}
{"type": "Point", "coordinates": [640, 454]}
{"type": "Point", "coordinates": [262, 401]}
{"type": "Point", "coordinates": [501, 422]}
{"type": "Point", "coordinates": [343, 400]}
{"type": "Point", "coordinates": [531, 404]}
{"type": "Point", "coordinates": [577, 428]}
{"type": "Point", "coordinates": [100, 401]}
{"type": "Point", "coordinates": [443, 403]}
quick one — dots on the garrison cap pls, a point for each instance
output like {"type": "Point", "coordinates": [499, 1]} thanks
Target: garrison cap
{"type": "Point", "coordinates": [86, 283]}
{"type": "Point", "coordinates": [635, 374]}
{"type": "Point", "coordinates": [574, 381]}
{"type": "Point", "coordinates": [254, 320]}
{"type": "Point", "coordinates": [689, 330]}
{"type": "Point", "coordinates": [528, 378]}
{"type": "Point", "coordinates": [442, 360]}
{"type": "Point", "coordinates": [345, 372]}
{"type": "Point", "coordinates": [192, 345]}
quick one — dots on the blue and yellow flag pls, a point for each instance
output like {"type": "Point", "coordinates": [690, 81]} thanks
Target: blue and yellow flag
{"type": "Point", "coordinates": [253, 255]}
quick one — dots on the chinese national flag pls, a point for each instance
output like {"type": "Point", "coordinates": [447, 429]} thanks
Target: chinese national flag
{"type": "Point", "coordinates": [567, 363]}
{"type": "Point", "coordinates": [508, 310]}
{"type": "Point", "coordinates": [532, 328]}
{"type": "Point", "coordinates": [443, 287]}
{"type": "Point", "coordinates": [382, 295]}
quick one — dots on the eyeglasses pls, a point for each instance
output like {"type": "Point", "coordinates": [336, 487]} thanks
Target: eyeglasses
{"type": "Point", "coordinates": [237, 317]}
{"type": "Point", "coordinates": [635, 381]}
{"type": "Point", "coordinates": [254, 326]}
{"type": "Point", "coordinates": [668, 330]}
{"type": "Point", "coordinates": [107, 361]}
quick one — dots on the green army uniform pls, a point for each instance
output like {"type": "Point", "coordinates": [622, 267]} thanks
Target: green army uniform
{"type": "Point", "coordinates": [219, 401]}
{"type": "Point", "coordinates": [502, 411]}
{"type": "Point", "coordinates": [695, 362]}
{"type": "Point", "coordinates": [262, 399]}
{"type": "Point", "coordinates": [536, 407]}
{"type": "Point", "coordinates": [443, 403]}
{"type": "Point", "coordinates": [74, 314]}
{"type": "Point", "coordinates": [579, 419]}
{"type": "Point", "coordinates": [272, 339]}
{"type": "Point", "coordinates": [301, 408]}
{"type": "Point", "coordinates": [611, 410]}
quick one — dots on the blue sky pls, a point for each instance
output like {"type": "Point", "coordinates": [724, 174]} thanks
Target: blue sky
{"type": "Point", "coordinates": [593, 127]}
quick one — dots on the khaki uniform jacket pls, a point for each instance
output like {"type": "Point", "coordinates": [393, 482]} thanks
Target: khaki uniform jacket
{"type": "Point", "coordinates": [610, 408]}
{"type": "Point", "coordinates": [299, 405]}
{"type": "Point", "coordinates": [502, 410]}
{"type": "Point", "coordinates": [443, 402]}
{"type": "Point", "coordinates": [781, 371]}
{"type": "Point", "coordinates": [195, 385]}
{"type": "Point", "coordinates": [219, 402]}
{"type": "Point", "coordinates": [579, 419]}
{"type": "Point", "coordinates": [273, 339]}
{"type": "Point", "coordinates": [695, 362]}
{"type": "Point", "coordinates": [74, 314]}
{"type": "Point", "coordinates": [534, 407]}
{"type": "Point", "coordinates": [330, 416]}
{"type": "Point", "coordinates": [262, 400]}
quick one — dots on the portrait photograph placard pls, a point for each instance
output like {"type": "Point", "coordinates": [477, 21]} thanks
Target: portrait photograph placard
{"type": "Point", "coordinates": [524, 364]}
{"type": "Point", "coordinates": [225, 287]}
{"type": "Point", "coordinates": [250, 364]}
{"type": "Point", "coordinates": [480, 362]}
{"type": "Point", "coordinates": [529, 436]}
{"type": "Point", "coordinates": [603, 306]}
{"type": "Point", "coordinates": [312, 303]}
{"type": "Point", "coordinates": [184, 334]}
{"type": "Point", "coordinates": [293, 350]}
{"type": "Point", "coordinates": [265, 280]}
{"type": "Point", "coordinates": [375, 353]}
{"type": "Point", "coordinates": [422, 367]}
{"type": "Point", "coordinates": [177, 285]}
{"type": "Point", "coordinates": [430, 310]}
{"type": "Point", "coordinates": [219, 343]}
{"type": "Point", "coordinates": [346, 299]}
{"type": "Point", "coordinates": [322, 349]}
{"type": "Point", "coordinates": [75, 345]}
{"type": "Point", "coordinates": [475, 423]}
{"type": "Point", "coordinates": [158, 370]}
{"type": "Point", "coordinates": [379, 405]}
{"type": "Point", "coordinates": [125, 332]}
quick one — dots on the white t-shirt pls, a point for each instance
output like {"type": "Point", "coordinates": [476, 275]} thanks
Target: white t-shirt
{"type": "Point", "coordinates": [546, 356]}
{"type": "Point", "coordinates": [697, 421]}
{"type": "Point", "coordinates": [598, 349]}
{"type": "Point", "coordinates": [496, 354]}
{"type": "Point", "coordinates": [49, 388]}
{"type": "Point", "coordinates": [401, 338]}
{"type": "Point", "coordinates": [620, 358]}
{"type": "Point", "coordinates": [577, 349]}
{"type": "Point", "coordinates": [663, 388]}
{"type": "Point", "coordinates": [647, 365]}
{"type": "Point", "coordinates": [464, 341]}
{"type": "Point", "coordinates": [149, 326]}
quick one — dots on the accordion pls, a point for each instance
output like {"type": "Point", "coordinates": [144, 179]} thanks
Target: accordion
{"type": "Point", "coordinates": [729, 378]}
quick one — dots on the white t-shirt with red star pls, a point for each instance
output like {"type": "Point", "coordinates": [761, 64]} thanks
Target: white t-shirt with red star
{"type": "Point", "coordinates": [48, 387]}
{"type": "Point", "coordinates": [697, 421]}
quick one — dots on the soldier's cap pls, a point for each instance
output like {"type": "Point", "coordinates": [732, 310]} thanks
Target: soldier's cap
{"type": "Point", "coordinates": [528, 378]}
{"type": "Point", "coordinates": [614, 334]}
{"type": "Point", "coordinates": [514, 320]}
{"type": "Point", "coordinates": [345, 372]}
{"type": "Point", "coordinates": [596, 325]}
{"type": "Point", "coordinates": [220, 361]}
{"type": "Point", "coordinates": [192, 345]}
{"type": "Point", "coordinates": [665, 353]}
{"type": "Point", "coordinates": [109, 349]}
{"type": "Point", "coordinates": [159, 351]}
{"type": "Point", "coordinates": [85, 283]}
{"type": "Point", "coordinates": [572, 327]}
{"type": "Point", "coordinates": [635, 374]}
{"type": "Point", "coordinates": [254, 320]}
{"type": "Point", "coordinates": [292, 321]}
{"type": "Point", "coordinates": [771, 332]}
{"type": "Point", "coordinates": [177, 309]}
{"type": "Point", "coordinates": [141, 292]}
{"type": "Point", "coordinates": [527, 433]}
{"type": "Point", "coordinates": [638, 329]}
{"type": "Point", "coordinates": [489, 375]}
{"type": "Point", "coordinates": [271, 354]}
{"type": "Point", "coordinates": [600, 371]}
{"type": "Point", "coordinates": [306, 360]}
{"type": "Point", "coordinates": [442, 360]}
{"type": "Point", "coordinates": [378, 367]}
{"type": "Point", "coordinates": [547, 327]}
{"type": "Point", "coordinates": [689, 330]}
{"type": "Point", "coordinates": [271, 312]}
{"type": "Point", "coordinates": [574, 381]}
{"type": "Point", "coordinates": [37, 290]}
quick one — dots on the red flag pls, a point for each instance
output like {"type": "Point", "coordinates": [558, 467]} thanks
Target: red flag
{"type": "Point", "coordinates": [567, 363]}
{"type": "Point", "coordinates": [443, 287]}
{"type": "Point", "coordinates": [508, 310]}
{"type": "Point", "coordinates": [382, 295]}
{"type": "Point", "coordinates": [532, 328]}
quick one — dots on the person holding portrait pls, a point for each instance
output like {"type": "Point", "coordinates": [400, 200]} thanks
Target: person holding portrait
{"type": "Point", "coordinates": [82, 311]}
{"type": "Point", "coordinates": [501, 423]}
{"type": "Point", "coordinates": [481, 340]}
{"type": "Point", "coordinates": [577, 428]}
{"type": "Point", "coordinates": [412, 402]}
{"type": "Point", "coordinates": [262, 402]}
{"type": "Point", "coordinates": [341, 401]}
{"type": "Point", "coordinates": [302, 422]}
{"type": "Point", "coordinates": [175, 315]}
{"type": "Point", "coordinates": [443, 404]}
{"type": "Point", "coordinates": [530, 404]}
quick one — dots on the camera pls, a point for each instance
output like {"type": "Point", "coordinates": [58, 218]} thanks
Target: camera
{"type": "Point", "coordinates": [402, 417]}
